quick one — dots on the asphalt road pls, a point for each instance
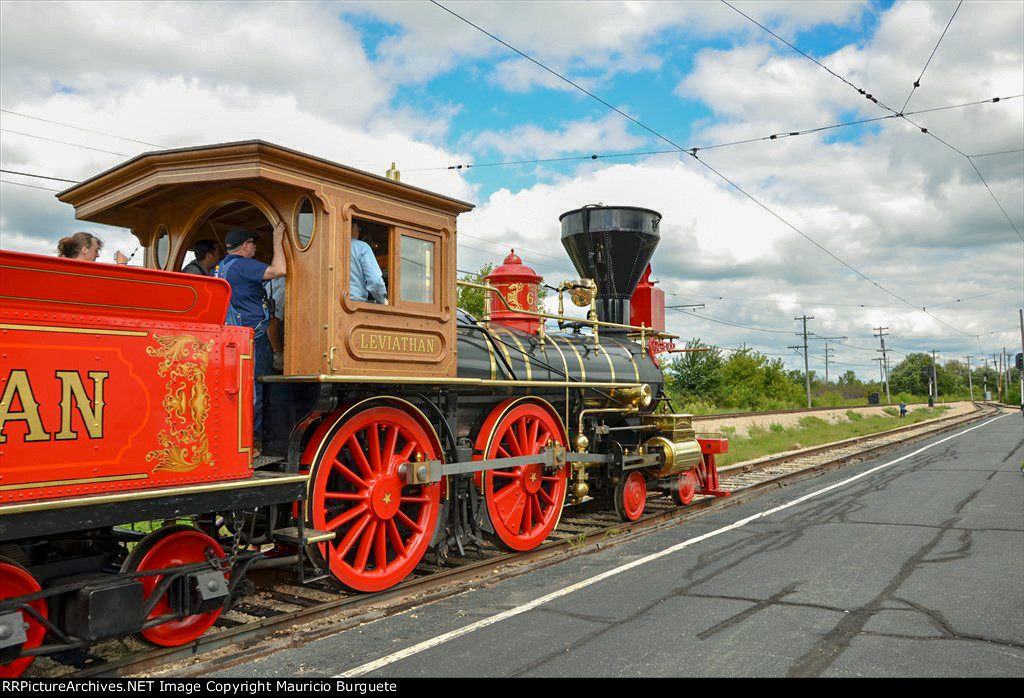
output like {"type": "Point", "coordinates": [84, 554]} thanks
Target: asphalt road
{"type": "Point", "coordinates": [915, 567]}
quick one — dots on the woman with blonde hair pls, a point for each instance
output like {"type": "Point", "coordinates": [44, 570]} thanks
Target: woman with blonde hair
{"type": "Point", "coordinates": [85, 246]}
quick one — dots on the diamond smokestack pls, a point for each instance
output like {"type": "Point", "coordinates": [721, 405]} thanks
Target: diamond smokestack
{"type": "Point", "coordinates": [612, 245]}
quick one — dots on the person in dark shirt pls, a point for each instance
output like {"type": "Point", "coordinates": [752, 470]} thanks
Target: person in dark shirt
{"type": "Point", "coordinates": [206, 258]}
{"type": "Point", "coordinates": [248, 304]}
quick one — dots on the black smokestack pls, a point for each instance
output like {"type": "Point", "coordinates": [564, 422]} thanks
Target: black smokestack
{"type": "Point", "coordinates": [612, 245]}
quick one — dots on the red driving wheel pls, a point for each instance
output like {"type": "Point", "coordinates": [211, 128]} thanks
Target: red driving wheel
{"type": "Point", "coordinates": [686, 487]}
{"type": "Point", "coordinates": [172, 546]}
{"type": "Point", "coordinates": [631, 496]}
{"type": "Point", "coordinates": [524, 502]}
{"type": "Point", "coordinates": [382, 525]}
{"type": "Point", "coordinates": [15, 580]}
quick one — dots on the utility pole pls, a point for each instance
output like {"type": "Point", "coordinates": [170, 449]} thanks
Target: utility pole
{"type": "Point", "coordinates": [984, 378]}
{"type": "Point", "coordinates": [885, 363]}
{"type": "Point", "coordinates": [999, 377]}
{"type": "Point", "coordinates": [935, 381]}
{"type": "Point", "coordinates": [969, 383]}
{"type": "Point", "coordinates": [1020, 373]}
{"type": "Point", "coordinates": [828, 351]}
{"type": "Point", "coordinates": [1006, 367]}
{"type": "Point", "coordinates": [807, 368]}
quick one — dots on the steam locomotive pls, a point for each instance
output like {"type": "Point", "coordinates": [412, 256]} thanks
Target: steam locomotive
{"type": "Point", "coordinates": [394, 430]}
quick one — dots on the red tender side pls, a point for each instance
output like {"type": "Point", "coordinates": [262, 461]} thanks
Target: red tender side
{"type": "Point", "coordinates": [117, 378]}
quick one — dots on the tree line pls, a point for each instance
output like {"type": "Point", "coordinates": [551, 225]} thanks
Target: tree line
{"type": "Point", "coordinates": [702, 379]}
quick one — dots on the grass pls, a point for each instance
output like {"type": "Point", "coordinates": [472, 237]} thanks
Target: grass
{"type": "Point", "coordinates": [813, 431]}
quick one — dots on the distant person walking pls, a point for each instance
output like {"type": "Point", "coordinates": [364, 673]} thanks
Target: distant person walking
{"type": "Point", "coordinates": [903, 409]}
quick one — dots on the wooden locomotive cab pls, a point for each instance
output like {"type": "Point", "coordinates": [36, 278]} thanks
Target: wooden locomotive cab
{"type": "Point", "coordinates": [172, 199]}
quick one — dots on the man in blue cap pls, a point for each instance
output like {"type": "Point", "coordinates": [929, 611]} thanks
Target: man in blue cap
{"type": "Point", "coordinates": [249, 303]}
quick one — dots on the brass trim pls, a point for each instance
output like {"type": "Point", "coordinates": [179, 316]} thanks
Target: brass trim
{"type": "Point", "coordinates": [565, 365]}
{"type": "Point", "coordinates": [593, 323]}
{"type": "Point", "coordinates": [522, 352]}
{"type": "Point", "coordinates": [74, 330]}
{"type": "Point", "coordinates": [8, 509]}
{"type": "Point", "coordinates": [75, 481]}
{"type": "Point", "coordinates": [490, 355]}
{"type": "Point", "coordinates": [583, 370]}
{"type": "Point", "coordinates": [241, 363]}
{"type": "Point", "coordinates": [611, 366]}
{"type": "Point", "coordinates": [419, 380]}
{"type": "Point", "coordinates": [504, 349]}
{"type": "Point", "coordinates": [195, 296]}
{"type": "Point", "coordinates": [629, 355]}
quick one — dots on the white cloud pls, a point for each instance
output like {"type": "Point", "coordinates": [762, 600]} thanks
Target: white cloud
{"type": "Point", "coordinates": [602, 135]}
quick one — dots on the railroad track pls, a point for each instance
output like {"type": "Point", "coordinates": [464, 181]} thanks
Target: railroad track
{"type": "Point", "coordinates": [799, 410]}
{"type": "Point", "coordinates": [262, 621]}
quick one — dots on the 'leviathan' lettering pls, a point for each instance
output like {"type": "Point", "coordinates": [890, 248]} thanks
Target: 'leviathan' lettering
{"type": "Point", "coordinates": [404, 344]}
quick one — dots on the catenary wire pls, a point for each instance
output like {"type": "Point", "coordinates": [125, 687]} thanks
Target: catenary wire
{"type": "Point", "coordinates": [917, 83]}
{"type": "Point", "coordinates": [80, 128]}
{"type": "Point", "coordinates": [75, 145]}
{"type": "Point", "coordinates": [30, 186]}
{"type": "Point", "coordinates": [903, 116]}
{"type": "Point", "coordinates": [708, 166]}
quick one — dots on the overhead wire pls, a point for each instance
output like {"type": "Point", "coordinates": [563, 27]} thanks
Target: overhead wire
{"type": "Point", "coordinates": [54, 140]}
{"type": "Point", "coordinates": [705, 164]}
{"type": "Point", "coordinates": [80, 128]}
{"type": "Point", "coordinates": [30, 186]}
{"type": "Point", "coordinates": [917, 83]}
{"type": "Point", "coordinates": [900, 114]}
{"type": "Point", "coordinates": [778, 135]}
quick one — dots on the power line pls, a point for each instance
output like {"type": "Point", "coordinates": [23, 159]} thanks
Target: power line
{"type": "Point", "coordinates": [693, 154]}
{"type": "Point", "coordinates": [917, 83]}
{"type": "Point", "coordinates": [731, 324]}
{"type": "Point", "coordinates": [30, 186]}
{"type": "Point", "coordinates": [903, 116]}
{"type": "Point", "coordinates": [769, 137]}
{"type": "Point", "coordinates": [1001, 152]}
{"type": "Point", "coordinates": [39, 176]}
{"type": "Point", "coordinates": [557, 75]}
{"type": "Point", "coordinates": [54, 140]}
{"type": "Point", "coordinates": [80, 128]}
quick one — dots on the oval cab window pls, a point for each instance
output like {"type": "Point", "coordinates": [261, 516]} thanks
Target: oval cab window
{"type": "Point", "coordinates": [163, 246]}
{"type": "Point", "coordinates": [304, 221]}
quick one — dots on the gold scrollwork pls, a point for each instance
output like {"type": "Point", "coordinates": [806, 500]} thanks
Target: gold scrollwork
{"type": "Point", "coordinates": [512, 296]}
{"type": "Point", "coordinates": [187, 403]}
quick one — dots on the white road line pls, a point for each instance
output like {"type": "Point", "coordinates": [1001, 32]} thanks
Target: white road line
{"type": "Point", "coordinates": [441, 639]}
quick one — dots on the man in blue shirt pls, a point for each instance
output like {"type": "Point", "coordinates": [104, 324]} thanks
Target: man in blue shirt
{"type": "Point", "coordinates": [248, 304]}
{"type": "Point", "coordinates": [365, 277]}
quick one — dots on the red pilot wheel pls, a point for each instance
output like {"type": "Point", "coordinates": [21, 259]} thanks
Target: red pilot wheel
{"type": "Point", "coordinates": [631, 496]}
{"type": "Point", "coordinates": [172, 546]}
{"type": "Point", "coordinates": [686, 487]}
{"type": "Point", "coordinates": [382, 525]}
{"type": "Point", "coordinates": [16, 581]}
{"type": "Point", "coordinates": [524, 502]}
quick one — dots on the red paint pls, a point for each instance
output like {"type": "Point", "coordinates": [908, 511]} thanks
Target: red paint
{"type": "Point", "coordinates": [518, 283]}
{"type": "Point", "coordinates": [148, 343]}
